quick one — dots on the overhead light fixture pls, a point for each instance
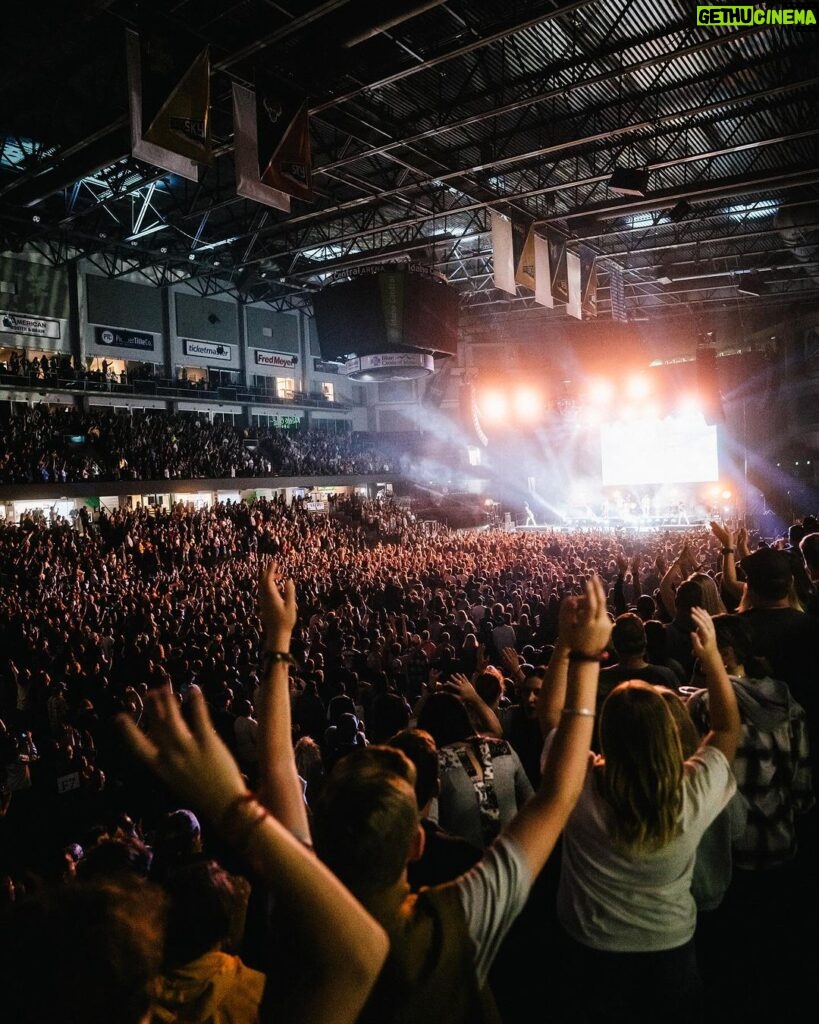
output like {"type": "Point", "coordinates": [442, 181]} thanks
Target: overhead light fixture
{"type": "Point", "coordinates": [152, 230]}
{"type": "Point", "coordinates": [679, 212]}
{"type": "Point", "coordinates": [629, 181]}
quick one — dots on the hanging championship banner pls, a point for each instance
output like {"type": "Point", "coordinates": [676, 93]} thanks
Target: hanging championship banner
{"type": "Point", "coordinates": [588, 283]}
{"type": "Point", "coordinates": [525, 265]}
{"type": "Point", "coordinates": [503, 252]}
{"type": "Point", "coordinates": [543, 273]}
{"type": "Point", "coordinates": [283, 141]}
{"type": "Point", "coordinates": [557, 263]}
{"type": "Point", "coordinates": [169, 99]}
{"type": "Point", "coordinates": [574, 306]}
{"type": "Point", "coordinates": [246, 153]}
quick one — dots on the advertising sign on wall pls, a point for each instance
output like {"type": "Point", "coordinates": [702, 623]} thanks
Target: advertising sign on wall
{"type": "Point", "coordinates": [22, 323]}
{"type": "Point", "coordinates": [124, 339]}
{"type": "Point", "coordinates": [208, 350]}
{"type": "Point", "coordinates": [281, 360]}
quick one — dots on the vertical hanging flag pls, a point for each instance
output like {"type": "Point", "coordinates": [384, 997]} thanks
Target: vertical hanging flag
{"type": "Point", "coordinates": [169, 101]}
{"type": "Point", "coordinates": [557, 263]}
{"type": "Point", "coordinates": [588, 283]}
{"type": "Point", "coordinates": [543, 273]}
{"type": "Point", "coordinates": [283, 141]}
{"type": "Point", "coordinates": [574, 306]}
{"type": "Point", "coordinates": [246, 153]}
{"type": "Point", "coordinates": [617, 293]}
{"type": "Point", "coordinates": [525, 263]}
{"type": "Point", "coordinates": [503, 252]}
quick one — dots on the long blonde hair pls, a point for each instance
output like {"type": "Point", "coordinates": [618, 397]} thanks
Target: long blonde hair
{"type": "Point", "coordinates": [641, 774]}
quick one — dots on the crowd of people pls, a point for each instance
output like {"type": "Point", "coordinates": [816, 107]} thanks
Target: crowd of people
{"type": "Point", "coordinates": [403, 679]}
{"type": "Point", "coordinates": [40, 445]}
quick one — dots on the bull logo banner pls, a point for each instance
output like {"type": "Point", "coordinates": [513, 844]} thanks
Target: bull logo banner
{"type": "Point", "coordinates": [283, 142]}
{"type": "Point", "coordinates": [246, 153]}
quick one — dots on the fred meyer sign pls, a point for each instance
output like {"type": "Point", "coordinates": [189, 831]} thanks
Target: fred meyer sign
{"type": "Point", "coordinates": [281, 360]}
{"type": "Point", "coordinates": [21, 323]}
{"type": "Point", "coordinates": [208, 350]}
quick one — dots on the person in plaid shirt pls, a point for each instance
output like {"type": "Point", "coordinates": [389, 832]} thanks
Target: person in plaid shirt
{"type": "Point", "coordinates": [772, 766]}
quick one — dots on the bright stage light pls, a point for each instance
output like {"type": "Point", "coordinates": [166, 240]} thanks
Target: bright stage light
{"type": "Point", "coordinates": [601, 391]}
{"type": "Point", "coordinates": [726, 495]}
{"type": "Point", "coordinates": [527, 404]}
{"type": "Point", "coordinates": [638, 386]}
{"type": "Point", "coordinates": [690, 405]}
{"type": "Point", "coordinates": [494, 406]}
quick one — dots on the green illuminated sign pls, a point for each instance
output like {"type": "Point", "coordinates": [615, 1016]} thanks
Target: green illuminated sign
{"type": "Point", "coordinates": [735, 17]}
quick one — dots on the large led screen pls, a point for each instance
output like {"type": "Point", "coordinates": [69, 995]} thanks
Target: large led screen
{"type": "Point", "coordinates": [674, 450]}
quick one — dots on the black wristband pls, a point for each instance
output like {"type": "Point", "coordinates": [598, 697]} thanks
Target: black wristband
{"type": "Point", "coordinates": [728, 551]}
{"type": "Point", "coordinates": [582, 656]}
{"type": "Point", "coordinates": [271, 658]}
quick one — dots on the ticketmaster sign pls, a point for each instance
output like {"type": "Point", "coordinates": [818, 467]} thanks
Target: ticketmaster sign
{"type": "Point", "coordinates": [736, 16]}
{"type": "Point", "coordinates": [208, 350]}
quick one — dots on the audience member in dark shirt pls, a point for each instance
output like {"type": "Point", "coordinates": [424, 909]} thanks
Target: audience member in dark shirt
{"type": "Point", "coordinates": [445, 856]}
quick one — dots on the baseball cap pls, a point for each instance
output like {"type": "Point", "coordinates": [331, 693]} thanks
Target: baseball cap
{"type": "Point", "coordinates": [768, 571]}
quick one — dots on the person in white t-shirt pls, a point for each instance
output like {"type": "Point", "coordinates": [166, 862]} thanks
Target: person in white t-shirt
{"type": "Point", "coordinates": [629, 847]}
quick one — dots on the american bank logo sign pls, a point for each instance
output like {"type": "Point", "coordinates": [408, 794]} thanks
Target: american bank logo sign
{"type": "Point", "coordinates": [34, 326]}
{"type": "Point", "coordinates": [736, 17]}
{"type": "Point", "coordinates": [280, 360]}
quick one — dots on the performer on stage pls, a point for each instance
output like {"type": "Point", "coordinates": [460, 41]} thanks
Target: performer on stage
{"type": "Point", "coordinates": [530, 515]}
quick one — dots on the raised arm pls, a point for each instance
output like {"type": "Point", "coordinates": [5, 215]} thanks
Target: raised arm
{"type": "Point", "coordinates": [673, 574]}
{"type": "Point", "coordinates": [584, 632]}
{"type": "Point", "coordinates": [729, 566]}
{"type": "Point", "coordinates": [339, 938]}
{"type": "Point", "coordinates": [482, 715]}
{"type": "Point", "coordinates": [279, 788]}
{"type": "Point", "coordinates": [726, 725]}
{"type": "Point", "coordinates": [618, 594]}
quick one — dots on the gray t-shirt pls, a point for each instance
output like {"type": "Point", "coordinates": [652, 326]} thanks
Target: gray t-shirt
{"type": "Point", "coordinates": [492, 895]}
{"type": "Point", "coordinates": [613, 901]}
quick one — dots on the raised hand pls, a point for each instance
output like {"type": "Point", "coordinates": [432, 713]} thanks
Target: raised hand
{"type": "Point", "coordinates": [722, 533]}
{"type": "Point", "coordinates": [704, 636]}
{"type": "Point", "coordinates": [461, 687]}
{"type": "Point", "coordinates": [511, 659]}
{"type": "Point", "coordinates": [584, 624]}
{"type": "Point", "coordinates": [193, 761]}
{"type": "Point", "coordinates": [277, 607]}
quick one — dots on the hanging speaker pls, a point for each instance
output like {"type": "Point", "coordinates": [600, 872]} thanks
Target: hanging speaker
{"type": "Point", "coordinates": [708, 386]}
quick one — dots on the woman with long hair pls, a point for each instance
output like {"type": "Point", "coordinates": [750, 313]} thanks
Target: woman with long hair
{"type": "Point", "coordinates": [629, 847]}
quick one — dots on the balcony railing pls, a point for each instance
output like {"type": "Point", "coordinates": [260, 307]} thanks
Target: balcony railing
{"type": "Point", "coordinates": [163, 387]}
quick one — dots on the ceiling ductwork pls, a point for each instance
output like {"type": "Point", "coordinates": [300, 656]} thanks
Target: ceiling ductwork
{"type": "Point", "coordinates": [797, 228]}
